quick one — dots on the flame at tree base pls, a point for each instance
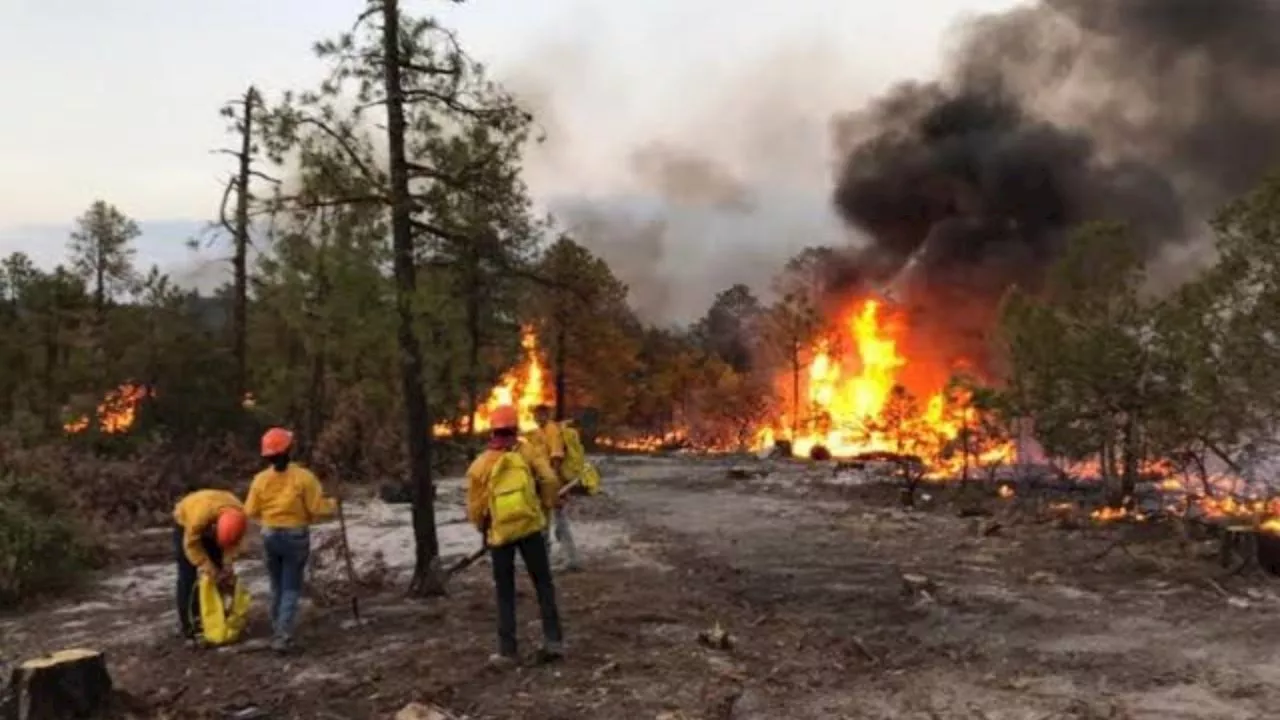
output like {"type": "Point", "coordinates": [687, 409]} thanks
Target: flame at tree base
{"type": "Point", "coordinates": [523, 386]}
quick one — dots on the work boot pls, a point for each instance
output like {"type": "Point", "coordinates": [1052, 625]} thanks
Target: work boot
{"type": "Point", "coordinates": [502, 662]}
{"type": "Point", "coordinates": [549, 652]}
{"type": "Point", "coordinates": [282, 644]}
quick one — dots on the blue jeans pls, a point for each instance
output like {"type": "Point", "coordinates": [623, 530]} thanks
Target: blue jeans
{"type": "Point", "coordinates": [287, 550]}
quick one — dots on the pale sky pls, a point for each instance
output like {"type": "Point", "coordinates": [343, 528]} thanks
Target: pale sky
{"type": "Point", "coordinates": [118, 99]}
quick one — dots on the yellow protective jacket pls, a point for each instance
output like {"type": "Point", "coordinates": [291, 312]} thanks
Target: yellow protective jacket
{"type": "Point", "coordinates": [291, 498]}
{"type": "Point", "coordinates": [548, 440]}
{"type": "Point", "coordinates": [195, 513]}
{"type": "Point", "coordinates": [478, 477]}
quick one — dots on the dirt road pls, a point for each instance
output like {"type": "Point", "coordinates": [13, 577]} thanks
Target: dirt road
{"type": "Point", "coordinates": [838, 603]}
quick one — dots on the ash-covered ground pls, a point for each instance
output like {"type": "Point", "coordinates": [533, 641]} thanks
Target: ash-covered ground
{"type": "Point", "coordinates": [838, 604]}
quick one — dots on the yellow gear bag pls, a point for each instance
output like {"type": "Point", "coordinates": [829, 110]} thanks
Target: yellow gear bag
{"type": "Point", "coordinates": [219, 624]}
{"type": "Point", "coordinates": [515, 511]}
{"type": "Point", "coordinates": [590, 478]}
{"type": "Point", "coordinates": [575, 465]}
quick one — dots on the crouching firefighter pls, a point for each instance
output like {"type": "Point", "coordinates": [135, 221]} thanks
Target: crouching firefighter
{"type": "Point", "coordinates": [511, 489]}
{"type": "Point", "coordinates": [208, 528]}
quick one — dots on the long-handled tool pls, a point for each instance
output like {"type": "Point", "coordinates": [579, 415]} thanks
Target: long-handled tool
{"type": "Point", "coordinates": [479, 552]}
{"type": "Point", "coordinates": [351, 568]}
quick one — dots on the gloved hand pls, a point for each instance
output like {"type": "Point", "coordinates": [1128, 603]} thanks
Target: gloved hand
{"type": "Point", "coordinates": [226, 579]}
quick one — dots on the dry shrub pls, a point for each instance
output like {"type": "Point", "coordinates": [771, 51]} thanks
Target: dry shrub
{"type": "Point", "coordinates": [329, 584]}
{"type": "Point", "coordinates": [360, 441]}
{"type": "Point", "coordinates": [139, 488]}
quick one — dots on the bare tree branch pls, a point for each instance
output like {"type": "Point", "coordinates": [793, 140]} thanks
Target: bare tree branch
{"type": "Point", "coordinates": [264, 176]}
{"type": "Point", "coordinates": [222, 207]}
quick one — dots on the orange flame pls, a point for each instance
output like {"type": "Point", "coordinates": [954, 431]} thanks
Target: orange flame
{"type": "Point", "coordinates": [524, 386]}
{"type": "Point", "coordinates": [850, 405]}
{"type": "Point", "coordinates": [116, 413]}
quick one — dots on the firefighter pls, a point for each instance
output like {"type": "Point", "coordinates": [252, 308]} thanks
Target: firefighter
{"type": "Point", "coordinates": [549, 438]}
{"type": "Point", "coordinates": [510, 491]}
{"type": "Point", "coordinates": [208, 528]}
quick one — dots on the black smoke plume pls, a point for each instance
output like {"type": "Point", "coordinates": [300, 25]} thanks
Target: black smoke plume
{"type": "Point", "coordinates": [1152, 112]}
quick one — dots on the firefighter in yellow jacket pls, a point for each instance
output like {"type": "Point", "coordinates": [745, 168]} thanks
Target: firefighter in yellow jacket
{"type": "Point", "coordinates": [286, 499]}
{"type": "Point", "coordinates": [510, 491]}
{"type": "Point", "coordinates": [208, 528]}
{"type": "Point", "coordinates": [549, 438]}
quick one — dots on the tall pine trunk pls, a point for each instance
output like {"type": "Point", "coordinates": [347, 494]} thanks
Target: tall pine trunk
{"type": "Point", "coordinates": [474, 341]}
{"type": "Point", "coordinates": [562, 358]}
{"type": "Point", "coordinates": [319, 360]}
{"type": "Point", "coordinates": [795, 389]}
{"type": "Point", "coordinates": [428, 577]}
{"type": "Point", "coordinates": [240, 258]}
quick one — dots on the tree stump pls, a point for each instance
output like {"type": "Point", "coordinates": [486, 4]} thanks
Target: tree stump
{"type": "Point", "coordinates": [1244, 548]}
{"type": "Point", "coordinates": [1269, 552]}
{"type": "Point", "coordinates": [66, 684]}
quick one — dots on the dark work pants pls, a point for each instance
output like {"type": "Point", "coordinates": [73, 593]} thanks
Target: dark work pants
{"type": "Point", "coordinates": [533, 550]}
{"type": "Point", "coordinates": [188, 604]}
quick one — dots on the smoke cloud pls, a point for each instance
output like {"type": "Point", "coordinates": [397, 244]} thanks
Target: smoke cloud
{"type": "Point", "coordinates": [695, 196]}
{"type": "Point", "coordinates": [1152, 112]}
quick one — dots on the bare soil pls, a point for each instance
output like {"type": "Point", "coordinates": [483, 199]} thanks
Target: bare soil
{"type": "Point", "coordinates": [838, 603]}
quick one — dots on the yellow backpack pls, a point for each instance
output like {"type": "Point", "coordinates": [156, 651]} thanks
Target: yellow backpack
{"type": "Point", "coordinates": [222, 625]}
{"type": "Point", "coordinates": [515, 511]}
{"type": "Point", "coordinates": [576, 466]}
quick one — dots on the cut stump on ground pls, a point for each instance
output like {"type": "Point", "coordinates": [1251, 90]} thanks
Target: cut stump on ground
{"type": "Point", "coordinates": [1243, 548]}
{"type": "Point", "coordinates": [67, 684]}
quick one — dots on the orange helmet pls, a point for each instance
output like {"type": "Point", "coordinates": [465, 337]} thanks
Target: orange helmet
{"type": "Point", "coordinates": [504, 417]}
{"type": "Point", "coordinates": [276, 441]}
{"type": "Point", "coordinates": [230, 527]}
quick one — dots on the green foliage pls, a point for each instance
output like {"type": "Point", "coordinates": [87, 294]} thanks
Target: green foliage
{"type": "Point", "coordinates": [102, 251]}
{"type": "Point", "coordinates": [580, 310]}
{"type": "Point", "coordinates": [1104, 372]}
{"type": "Point", "coordinates": [42, 550]}
{"type": "Point", "coordinates": [730, 323]}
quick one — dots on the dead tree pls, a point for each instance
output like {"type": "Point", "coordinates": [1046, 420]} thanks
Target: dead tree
{"type": "Point", "coordinates": [239, 184]}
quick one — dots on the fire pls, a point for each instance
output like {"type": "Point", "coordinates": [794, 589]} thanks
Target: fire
{"type": "Point", "coordinates": [854, 402]}
{"type": "Point", "coordinates": [524, 386]}
{"type": "Point", "coordinates": [116, 413]}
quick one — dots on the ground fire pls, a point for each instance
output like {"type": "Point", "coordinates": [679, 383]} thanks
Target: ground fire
{"type": "Point", "coordinates": [117, 412]}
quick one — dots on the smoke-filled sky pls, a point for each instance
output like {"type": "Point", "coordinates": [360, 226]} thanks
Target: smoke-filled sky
{"type": "Point", "coordinates": [695, 149]}
{"type": "Point", "coordinates": [1153, 112]}
{"type": "Point", "coordinates": [119, 100]}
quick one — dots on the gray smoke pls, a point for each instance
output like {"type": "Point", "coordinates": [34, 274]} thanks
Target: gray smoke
{"type": "Point", "coordinates": [1152, 112]}
{"type": "Point", "coordinates": [721, 188]}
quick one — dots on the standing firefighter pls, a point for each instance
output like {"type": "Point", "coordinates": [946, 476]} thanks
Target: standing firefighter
{"type": "Point", "coordinates": [510, 491]}
{"type": "Point", "coordinates": [549, 439]}
{"type": "Point", "coordinates": [208, 528]}
{"type": "Point", "coordinates": [286, 500]}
